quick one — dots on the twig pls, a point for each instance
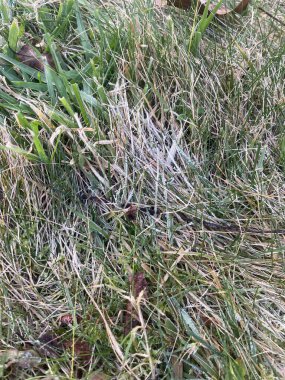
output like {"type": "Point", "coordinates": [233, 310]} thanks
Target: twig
{"type": "Point", "coordinates": [271, 15]}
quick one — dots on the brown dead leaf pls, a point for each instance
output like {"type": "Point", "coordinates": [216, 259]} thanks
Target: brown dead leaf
{"type": "Point", "coordinates": [183, 4]}
{"type": "Point", "coordinates": [224, 10]}
{"type": "Point", "coordinates": [29, 57]}
{"type": "Point", "coordinates": [241, 6]}
{"type": "Point", "coordinates": [50, 344]}
{"type": "Point", "coordinates": [66, 320]}
{"type": "Point", "coordinates": [131, 319]}
{"type": "Point", "coordinates": [82, 350]}
{"type": "Point", "coordinates": [139, 284]}
{"type": "Point", "coordinates": [177, 368]}
{"type": "Point", "coordinates": [131, 212]}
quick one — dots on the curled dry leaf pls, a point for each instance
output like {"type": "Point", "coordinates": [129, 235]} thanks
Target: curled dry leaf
{"type": "Point", "coordinates": [50, 344]}
{"type": "Point", "coordinates": [29, 57]}
{"type": "Point", "coordinates": [82, 350]}
{"type": "Point", "coordinates": [177, 368]}
{"type": "Point", "coordinates": [131, 212]}
{"type": "Point", "coordinates": [184, 4]}
{"type": "Point", "coordinates": [139, 283]}
{"type": "Point", "coordinates": [66, 320]}
{"type": "Point", "coordinates": [130, 319]}
{"type": "Point", "coordinates": [223, 11]}
{"type": "Point", "coordinates": [241, 6]}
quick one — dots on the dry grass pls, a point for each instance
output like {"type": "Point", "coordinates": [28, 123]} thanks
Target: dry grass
{"type": "Point", "coordinates": [196, 143]}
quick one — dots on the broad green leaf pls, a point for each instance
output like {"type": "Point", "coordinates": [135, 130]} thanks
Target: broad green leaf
{"type": "Point", "coordinates": [9, 73]}
{"type": "Point", "coordinates": [33, 126]}
{"type": "Point", "coordinates": [5, 11]}
{"type": "Point", "coordinates": [12, 103]}
{"type": "Point", "coordinates": [37, 143]}
{"type": "Point", "coordinates": [67, 106]}
{"type": "Point", "coordinates": [63, 18]}
{"type": "Point", "coordinates": [41, 87]}
{"type": "Point", "coordinates": [50, 84]}
{"type": "Point", "coordinates": [85, 42]}
{"type": "Point", "coordinates": [14, 32]}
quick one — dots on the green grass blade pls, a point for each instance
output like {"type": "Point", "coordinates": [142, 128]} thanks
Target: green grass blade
{"type": "Point", "coordinates": [80, 103]}
{"type": "Point", "coordinates": [14, 32]}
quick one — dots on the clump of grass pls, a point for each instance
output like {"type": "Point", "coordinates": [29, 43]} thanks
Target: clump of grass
{"type": "Point", "coordinates": [194, 142]}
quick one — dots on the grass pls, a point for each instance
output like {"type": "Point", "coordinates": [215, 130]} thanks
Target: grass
{"type": "Point", "coordinates": [193, 137]}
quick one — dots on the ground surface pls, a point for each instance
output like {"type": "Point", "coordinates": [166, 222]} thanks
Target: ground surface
{"type": "Point", "coordinates": [141, 177]}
